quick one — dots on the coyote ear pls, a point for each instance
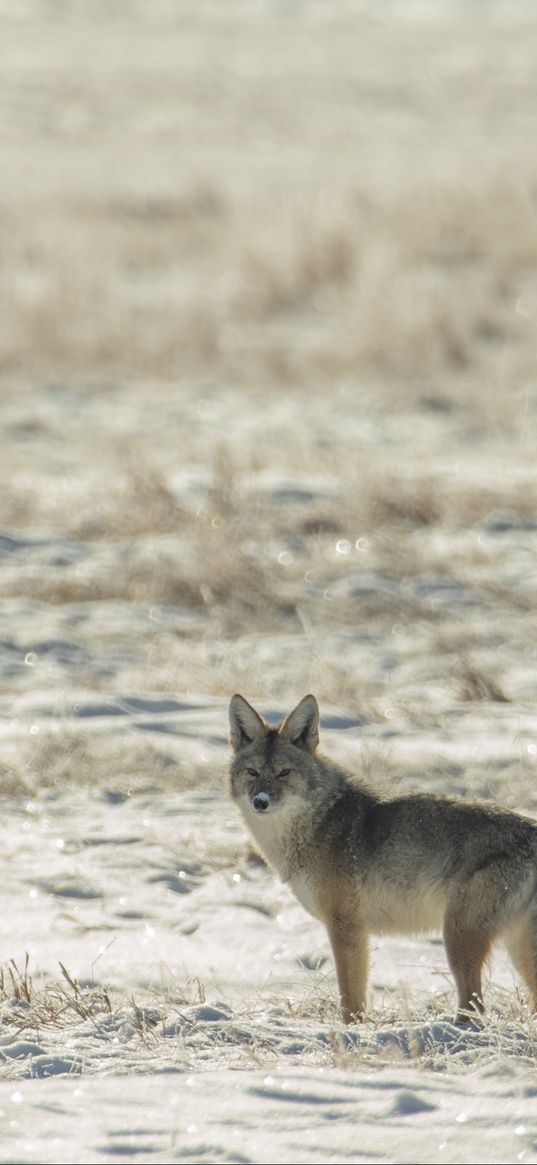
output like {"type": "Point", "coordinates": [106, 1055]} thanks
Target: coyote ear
{"type": "Point", "coordinates": [301, 727]}
{"type": "Point", "coordinates": [245, 723]}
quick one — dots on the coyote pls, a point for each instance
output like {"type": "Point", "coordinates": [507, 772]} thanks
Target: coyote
{"type": "Point", "coordinates": [365, 864]}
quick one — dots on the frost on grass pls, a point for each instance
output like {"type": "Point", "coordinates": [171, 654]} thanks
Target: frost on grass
{"type": "Point", "coordinates": [60, 1026]}
{"type": "Point", "coordinates": [268, 424]}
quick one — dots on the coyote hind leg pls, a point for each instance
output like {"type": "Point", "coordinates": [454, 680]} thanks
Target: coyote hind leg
{"type": "Point", "coordinates": [522, 950]}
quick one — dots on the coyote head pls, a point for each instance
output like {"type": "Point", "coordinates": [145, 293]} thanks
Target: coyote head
{"type": "Point", "coordinates": [272, 764]}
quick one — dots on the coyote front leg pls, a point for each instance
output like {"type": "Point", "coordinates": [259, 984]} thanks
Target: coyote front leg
{"type": "Point", "coordinates": [350, 945]}
{"type": "Point", "coordinates": [467, 949]}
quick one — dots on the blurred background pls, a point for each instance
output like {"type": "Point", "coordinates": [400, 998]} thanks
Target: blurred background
{"type": "Point", "coordinates": [268, 389]}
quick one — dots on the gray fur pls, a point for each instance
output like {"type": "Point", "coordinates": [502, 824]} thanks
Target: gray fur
{"type": "Point", "coordinates": [365, 864]}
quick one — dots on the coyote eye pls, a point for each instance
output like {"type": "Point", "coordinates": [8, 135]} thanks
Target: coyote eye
{"type": "Point", "coordinates": [252, 772]}
{"type": "Point", "coordinates": [284, 772]}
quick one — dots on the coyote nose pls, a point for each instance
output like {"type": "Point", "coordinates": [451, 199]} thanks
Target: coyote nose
{"type": "Point", "coordinates": [260, 802]}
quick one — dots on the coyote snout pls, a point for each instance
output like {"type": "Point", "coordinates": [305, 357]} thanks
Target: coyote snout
{"type": "Point", "coordinates": [261, 802]}
{"type": "Point", "coordinates": [365, 864]}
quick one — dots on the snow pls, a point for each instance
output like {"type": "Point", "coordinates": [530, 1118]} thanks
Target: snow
{"type": "Point", "coordinates": [182, 1004]}
{"type": "Point", "coordinates": [291, 1117]}
{"type": "Point", "coordinates": [268, 420]}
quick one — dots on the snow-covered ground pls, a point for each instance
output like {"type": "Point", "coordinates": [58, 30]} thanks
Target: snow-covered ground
{"type": "Point", "coordinates": [177, 1004]}
{"type": "Point", "coordinates": [268, 419]}
{"type": "Point", "coordinates": [163, 995]}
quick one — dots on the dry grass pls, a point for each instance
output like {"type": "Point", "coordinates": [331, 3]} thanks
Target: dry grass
{"type": "Point", "coordinates": [196, 260]}
{"type": "Point", "coordinates": [226, 258]}
{"type": "Point", "coordinates": [62, 758]}
{"type": "Point", "coordinates": [477, 684]}
{"type": "Point", "coordinates": [59, 1004]}
{"type": "Point", "coordinates": [267, 318]}
{"type": "Point", "coordinates": [140, 292]}
{"type": "Point", "coordinates": [178, 226]}
{"type": "Point", "coordinates": [167, 1026]}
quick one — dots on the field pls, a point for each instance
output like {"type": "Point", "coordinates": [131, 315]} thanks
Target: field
{"type": "Point", "coordinates": [268, 388]}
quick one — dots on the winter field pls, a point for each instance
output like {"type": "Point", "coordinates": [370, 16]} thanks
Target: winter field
{"type": "Point", "coordinates": [268, 385]}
